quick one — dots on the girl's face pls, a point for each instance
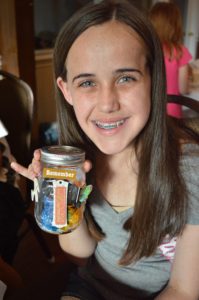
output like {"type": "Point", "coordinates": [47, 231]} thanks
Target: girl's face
{"type": "Point", "coordinates": [108, 85]}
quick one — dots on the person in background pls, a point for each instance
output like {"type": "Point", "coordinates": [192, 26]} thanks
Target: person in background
{"type": "Point", "coordinates": [140, 233]}
{"type": "Point", "coordinates": [167, 21]}
{"type": "Point", "coordinates": [12, 206]}
{"type": "Point", "coordinates": [11, 215]}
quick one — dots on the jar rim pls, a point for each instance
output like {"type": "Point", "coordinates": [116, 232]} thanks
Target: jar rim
{"type": "Point", "coordinates": [62, 155]}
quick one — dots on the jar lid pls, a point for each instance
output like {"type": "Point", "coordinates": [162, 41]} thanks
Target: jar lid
{"type": "Point", "coordinates": [62, 155]}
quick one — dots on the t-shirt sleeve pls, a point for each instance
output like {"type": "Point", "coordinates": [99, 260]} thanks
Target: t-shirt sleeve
{"type": "Point", "coordinates": [186, 57]}
{"type": "Point", "coordinates": [191, 177]}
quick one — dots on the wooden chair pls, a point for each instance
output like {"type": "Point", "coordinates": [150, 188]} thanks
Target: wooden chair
{"type": "Point", "coordinates": [17, 107]}
{"type": "Point", "coordinates": [191, 112]}
{"type": "Point", "coordinates": [16, 112]}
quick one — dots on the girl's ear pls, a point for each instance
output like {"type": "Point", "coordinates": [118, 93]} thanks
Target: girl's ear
{"type": "Point", "coordinates": [64, 89]}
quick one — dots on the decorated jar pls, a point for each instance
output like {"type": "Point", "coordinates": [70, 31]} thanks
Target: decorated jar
{"type": "Point", "coordinates": [60, 191]}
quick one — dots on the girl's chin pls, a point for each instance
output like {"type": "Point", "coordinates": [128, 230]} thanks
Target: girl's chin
{"type": "Point", "coordinates": [111, 149]}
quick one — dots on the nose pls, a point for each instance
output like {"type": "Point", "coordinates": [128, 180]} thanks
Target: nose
{"type": "Point", "coordinates": [108, 99]}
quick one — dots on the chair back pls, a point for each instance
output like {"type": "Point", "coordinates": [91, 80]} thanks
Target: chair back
{"type": "Point", "coordinates": [190, 112]}
{"type": "Point", "coordinates": [185, 101]}
{"type": "Point", "coordinates": [16, 113]}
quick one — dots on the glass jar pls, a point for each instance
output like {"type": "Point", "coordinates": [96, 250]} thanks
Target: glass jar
{"type": "Point", "coordinates": [57, 191]}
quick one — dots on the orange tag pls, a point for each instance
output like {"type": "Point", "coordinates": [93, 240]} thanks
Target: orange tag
{"type": "Point", "coordinates": [62, 174]}
{"type": "Point", "coordinates": [60, 203]}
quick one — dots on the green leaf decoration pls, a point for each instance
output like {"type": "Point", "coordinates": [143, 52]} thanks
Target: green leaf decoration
{"type": "Point", "coordinates": [85, 192]}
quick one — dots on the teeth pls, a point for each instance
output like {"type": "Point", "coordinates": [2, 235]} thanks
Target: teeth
{"type": "Point", "coordinates": [109, 125]}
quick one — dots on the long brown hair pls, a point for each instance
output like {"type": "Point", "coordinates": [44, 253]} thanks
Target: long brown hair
{"type": "Point", "coordinates": [161, 204]}
{"type": "Point", "coordinates": [167, 21]}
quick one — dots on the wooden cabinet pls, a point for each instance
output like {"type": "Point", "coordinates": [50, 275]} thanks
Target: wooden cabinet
{"type": "Point", "coordinates": [8, 40]}
{"type": "Point", "coordinates": [46, 108]}
{"type": "Point", "coordinates": [17, 39]}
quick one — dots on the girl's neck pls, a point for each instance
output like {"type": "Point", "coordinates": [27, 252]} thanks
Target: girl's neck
{"type": "Point", "coordinates": [117, 165]}
{"type": "Point", "coordinates": [116, 177]}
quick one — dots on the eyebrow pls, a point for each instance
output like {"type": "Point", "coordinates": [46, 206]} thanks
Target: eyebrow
{"type": "Point", "coordinates": [122, 70]}
{"type": "Point", "coordinates": [82, 75]}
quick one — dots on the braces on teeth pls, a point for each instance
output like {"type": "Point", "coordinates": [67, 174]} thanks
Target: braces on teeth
{"type": "Point", "coordinates": [109, 125]}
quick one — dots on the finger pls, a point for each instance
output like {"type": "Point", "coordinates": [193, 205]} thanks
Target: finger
{"type": "Point", "coordinates": [36, 166]}
{"type": "Point", "coordinates": [37, 154]}
{"type": "Point", "coordinates": [87, 166]}
{"type": "Point", "coordinates": [28, 173]}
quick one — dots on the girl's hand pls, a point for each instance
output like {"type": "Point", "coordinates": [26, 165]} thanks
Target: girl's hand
{"type": "Point", "coordinates": [87, 166]}
{"type": "Point", "coordinates": [34, 168]}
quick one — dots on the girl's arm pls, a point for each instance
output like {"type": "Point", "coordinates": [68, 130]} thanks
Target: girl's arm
{"type": "Point", "coordinates": [184, 79]}
{"type": "Point", "coordinates": [79, 242]}
{"type": "Point", "coordinates": [184, 281]}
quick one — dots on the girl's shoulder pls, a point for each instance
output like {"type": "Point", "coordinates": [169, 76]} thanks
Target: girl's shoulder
{"type": "Point", "coordinates": [189, 165]}
{"type": "Point", "coordinates": [190, 149]}
{"type": "Point", "coordinates": [190, 172]}
{"type": "Point", "coordinates": [180, 54]}
{"type": "Point", "coordinates": [190, 155]}
{"type": "Point", "coordinates": [190, 162]}
{"type": "Point", "coordinates": [185, 56]}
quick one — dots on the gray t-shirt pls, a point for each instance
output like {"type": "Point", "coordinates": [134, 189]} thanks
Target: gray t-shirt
{"type": "Point", "coordinates": [147, 277]}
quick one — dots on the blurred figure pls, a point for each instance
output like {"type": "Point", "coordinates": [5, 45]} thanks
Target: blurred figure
{"type": "Point", "coordinates": [167, 20]}
{"type": "Point", "coordinates": [11, 202]}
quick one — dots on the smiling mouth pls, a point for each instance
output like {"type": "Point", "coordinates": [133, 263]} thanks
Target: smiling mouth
{"type": "Point", "coordinates": [108, 126]}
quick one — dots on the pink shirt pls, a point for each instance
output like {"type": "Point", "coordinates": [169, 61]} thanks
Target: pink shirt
{"type": "Point", "coordinates": [172, 74]}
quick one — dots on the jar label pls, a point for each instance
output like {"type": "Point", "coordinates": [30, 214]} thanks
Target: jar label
{"type": "Point", "coordinates": [55, 173]}
{"type": "Point", "coordinates": [60, 203]}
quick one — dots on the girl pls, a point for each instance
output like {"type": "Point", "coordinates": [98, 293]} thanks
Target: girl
{"type": "Point", "coordinates": [167, 21]}
{"type": "Point", "coordinates": [140, 234]}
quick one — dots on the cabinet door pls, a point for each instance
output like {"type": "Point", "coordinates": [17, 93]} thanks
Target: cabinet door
{"type": "Point", "coordinates": [17, 39]}
{"type": "Point", "coordinates": [8, 39]}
